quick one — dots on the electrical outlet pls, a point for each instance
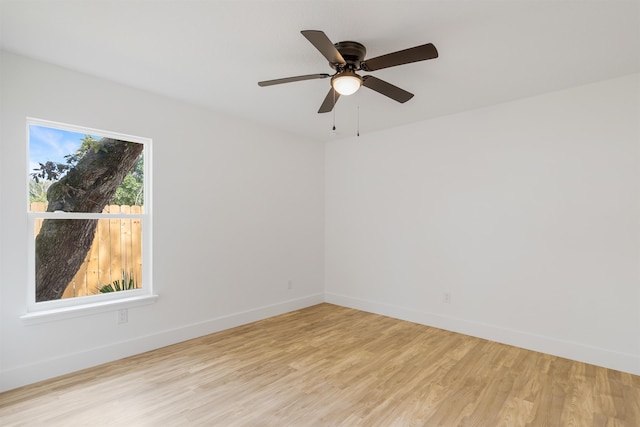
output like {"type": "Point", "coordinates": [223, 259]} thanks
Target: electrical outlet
{"type": "Point", "coordinates": [290, 284]}
{"type": "Point", "coordinates": [446, 298]}
{"type": "Point", "coordinates": [123, 316]}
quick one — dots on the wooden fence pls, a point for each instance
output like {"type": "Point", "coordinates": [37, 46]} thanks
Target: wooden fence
{"type": "Point", "coordinates": [116, 248]}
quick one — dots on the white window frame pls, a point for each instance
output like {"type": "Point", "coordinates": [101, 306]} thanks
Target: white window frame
{"type": "Point", "coordinates": [72, 307]}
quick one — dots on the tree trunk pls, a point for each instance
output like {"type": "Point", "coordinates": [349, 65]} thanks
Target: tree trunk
{"type": "Point", "coordinates": [63, 244]}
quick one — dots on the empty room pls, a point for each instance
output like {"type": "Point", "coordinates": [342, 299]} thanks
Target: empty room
{"type": "Point", "coordinates": [319, 213]}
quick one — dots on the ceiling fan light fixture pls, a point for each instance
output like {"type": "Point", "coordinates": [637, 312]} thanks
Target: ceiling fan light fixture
{"type": "Point", "coordinates": [347, 57]}
{"type": "Point", "coordinates": [346, 82]}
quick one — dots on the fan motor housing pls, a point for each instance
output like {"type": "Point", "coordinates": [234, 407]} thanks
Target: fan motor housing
{"type": "Point", "coordinates": [352, 52]}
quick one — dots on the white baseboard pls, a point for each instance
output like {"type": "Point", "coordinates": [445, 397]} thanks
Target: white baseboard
{"type": "Point", "coordinates": [43, 370]}
{"type": "Point", "coordinates": [570, 350]}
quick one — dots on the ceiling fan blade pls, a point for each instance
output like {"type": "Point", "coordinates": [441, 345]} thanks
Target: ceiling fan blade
{"type": "Point", "coordinates": [387, 89]}
{"type": "Point", "coordinates": [406, 56]}
{"type": "Point", "coordinates": [329, 101]}
{"type": "Point", "coordinates": [321, 42]}
{"type": "Point", "coordinates": [293, 79]}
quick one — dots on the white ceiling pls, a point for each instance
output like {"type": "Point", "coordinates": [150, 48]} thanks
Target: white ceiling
{"type": "Point", "coordinates": [213, 53]}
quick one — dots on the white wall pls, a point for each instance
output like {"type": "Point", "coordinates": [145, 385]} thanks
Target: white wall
{"type": "Point", "coordinates": [528, 213]}
{"type": "Point", "coordinates": [238, 212]}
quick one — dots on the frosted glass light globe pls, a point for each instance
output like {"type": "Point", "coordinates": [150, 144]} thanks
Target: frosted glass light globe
{"type": "Point", "coordinates": [346, 82]}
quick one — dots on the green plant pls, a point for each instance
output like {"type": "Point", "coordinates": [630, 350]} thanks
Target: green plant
{"type": "Point", "coordinates": [127, 283]}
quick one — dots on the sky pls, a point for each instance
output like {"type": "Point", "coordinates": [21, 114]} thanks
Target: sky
{"type": "Point", "coordinates": [52, 144]}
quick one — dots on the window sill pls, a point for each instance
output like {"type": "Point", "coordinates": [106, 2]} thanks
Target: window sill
{"type": "Point", "coordinates": [86, 309]}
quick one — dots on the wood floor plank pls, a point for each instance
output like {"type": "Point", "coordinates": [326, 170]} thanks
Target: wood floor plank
{"type": "Point", "coordinates": [332, 366]}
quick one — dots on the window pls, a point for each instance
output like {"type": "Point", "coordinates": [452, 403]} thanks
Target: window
{"type": "Point", "coordinates": [89, 217]}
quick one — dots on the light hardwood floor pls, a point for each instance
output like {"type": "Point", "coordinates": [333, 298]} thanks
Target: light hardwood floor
{"type": "Point", "coordinates": [332, 366]}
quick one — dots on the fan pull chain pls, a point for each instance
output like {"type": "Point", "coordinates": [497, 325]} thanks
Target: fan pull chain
{"type": "Point", "coordinates": [358, 116]}
{"type": "Point", "coordinates": [333, 110]}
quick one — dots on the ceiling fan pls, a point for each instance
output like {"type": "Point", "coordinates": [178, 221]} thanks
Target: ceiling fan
{"type": "Point", "coordinates": [346, 58]}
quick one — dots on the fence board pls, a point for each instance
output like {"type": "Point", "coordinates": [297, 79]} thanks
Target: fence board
{"type": "Point", "coordinates": [136, 244]}
{"type": "Point", "coordinates": [104, 249]}
{"type": "Point", "coordinates": [125, 239]}
{"type": "Point", "coordinates": [116, 245]}
{"type": "Point", "coordinates": [92, 262]}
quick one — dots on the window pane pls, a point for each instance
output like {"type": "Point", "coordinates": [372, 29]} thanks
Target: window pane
{"type": "Point", "coordinates": [105, 256]}
{"type": "Point", "coordinates": [79, 172]}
